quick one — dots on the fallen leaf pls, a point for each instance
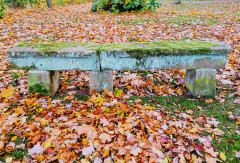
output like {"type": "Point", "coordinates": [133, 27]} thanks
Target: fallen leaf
{"type": "Point", "coordinates": [105, 137]}
{"type": "Point", "coordinates": [7, 92]}
{"type": "Point", "coordinates": [37, 149]}
{"type": "Point", "coordinates": [223, 156]}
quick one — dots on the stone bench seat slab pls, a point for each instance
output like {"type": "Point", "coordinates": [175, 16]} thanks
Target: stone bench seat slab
{"type": "Point", "coordinates": [68, 58]}
{"type": "Point", "coordinates": [110, 61]}
{"type": "Point", "coordinates": [117, 56]}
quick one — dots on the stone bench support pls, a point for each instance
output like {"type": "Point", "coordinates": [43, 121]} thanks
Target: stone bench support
{"type": "Point", "coordinates": [201, 82]}
{"type": "Point", "coordinates": [101, 80]}
{"type": "Point", "coordinates": [44, 82]}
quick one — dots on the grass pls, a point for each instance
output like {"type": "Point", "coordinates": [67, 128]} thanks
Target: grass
{"type": "Point", "coordinates": [229, 142]}
{"type": "Point", "coordinates": [183, 20]}
{"type": "Point", "coordinates": [237, 14]}
{"type": "Point", "coordinates": [16, 153]}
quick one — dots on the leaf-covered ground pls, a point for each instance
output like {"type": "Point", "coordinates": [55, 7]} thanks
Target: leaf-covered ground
{"type": "Point", "coordinates": [150, 117]}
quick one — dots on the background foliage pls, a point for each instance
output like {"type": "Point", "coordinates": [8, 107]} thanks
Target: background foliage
{"type": "Point", "coordinates": [117, 6]}
{"type": "Point", "coordinates": [2, 8]}
{"type": "Point", "coordinates": [4, 4]}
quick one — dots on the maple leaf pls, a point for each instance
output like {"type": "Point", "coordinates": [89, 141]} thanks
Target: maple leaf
{"type": "Point", "coordinates": [211, 152]}
{"type": "Point", "coordinates": [104, 137]}
{"type": "Point", "coordinates": [164, 127]}
{"type": "Point", "coordinates": [37, 149]}
{"type": "Point", "coordinates": [19, 111]}
{"type": "Point", "coordinates": [136, 151]}
{"type": "Point", "coordinates": [7, 92]}
{"type": "Point", "coordinates": [211, 159]}
{"type": "Point", "coordinates": [88, 150]}
{"type": "Point", "coordinates": [104, 121]}
{"type": "Point", "coordinates": [97, 160]}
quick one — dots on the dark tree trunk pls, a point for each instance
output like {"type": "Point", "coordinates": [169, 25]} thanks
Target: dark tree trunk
{"type": "Point", "coordinates": [177, 2]}
{"type": "Point", "coordinates": [49, 3]}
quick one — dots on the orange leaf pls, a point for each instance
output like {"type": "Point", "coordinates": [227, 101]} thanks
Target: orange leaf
{"type": "Point", "coordinates": [19, 111]}
{"type": "Point", "coordinates": [7, 92]}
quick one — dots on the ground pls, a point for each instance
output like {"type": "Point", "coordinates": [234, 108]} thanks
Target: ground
{"type": "Point", "coordinates": [150, 117]}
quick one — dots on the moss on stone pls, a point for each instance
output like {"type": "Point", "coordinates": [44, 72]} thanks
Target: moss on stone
{"type": "Point", "coordinates": [15, 67]}
{"type": "Point", "coordinates": [49, 47]}
{"type": "Point", "coordinates": [37, 88]}
{"type": "Point", "coordinates": [136, 49]}
{"type": "Point", "coordinates": [201, 84]}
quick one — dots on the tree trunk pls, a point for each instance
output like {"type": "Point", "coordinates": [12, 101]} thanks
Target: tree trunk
{"type": "Point", "coordinates": [176, 2]}
{"type": "Point", "coordinates": [49, 3]}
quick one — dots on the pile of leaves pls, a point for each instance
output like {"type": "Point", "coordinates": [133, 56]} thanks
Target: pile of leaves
{"type": "Point", "coordinates": [145, 118]}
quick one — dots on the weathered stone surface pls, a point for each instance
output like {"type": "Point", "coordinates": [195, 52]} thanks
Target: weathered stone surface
{"type": "Point", "coordinates": [68, 58]}
{"type": "Point", "coordinates": [44, 82]}
{"type": "Point", "coordinates": [101, 80]}
{"type": "Point", "coordinates": [176, 2]}
{"type": "Point", "coordinates": [201, 82]}
{"type": "Point", "coordinates": [111, 61]}
{"type": "Point", "coordinates": [94, 1]}
{"type": "Point", "coordinates": [118, 56]}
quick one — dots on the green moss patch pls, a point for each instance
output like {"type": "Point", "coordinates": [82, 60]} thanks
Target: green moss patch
{"type": "Point", "coordinates": [48, 47]}
{"type": "Point", "coordinates": [37, 88]}
{"type": "Point", "coordinates": [136, 48]}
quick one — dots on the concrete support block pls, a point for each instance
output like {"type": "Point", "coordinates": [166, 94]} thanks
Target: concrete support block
{"type": "Point", "coordinates": [201, 82]}
{"type": "Point", "coordinates": [101, 80]}
{"type": "Point", "coordinates": [43, 82]}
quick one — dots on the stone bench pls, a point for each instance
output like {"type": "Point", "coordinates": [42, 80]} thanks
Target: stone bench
{"type": "Point", "coordinates": [44, 60]}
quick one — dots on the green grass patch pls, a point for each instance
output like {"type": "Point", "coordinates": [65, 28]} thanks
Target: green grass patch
{"type": "Point", "coordinates": [82, 98]}
{"type": "Point", "coordinates": [37, 88]}
{"type": "Point", "coordinates": [229, 143]}
{"type": "Point", "coordinates": [236, 14]}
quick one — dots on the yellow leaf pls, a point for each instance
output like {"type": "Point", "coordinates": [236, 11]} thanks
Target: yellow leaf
{"type": "Point", "coordinates": [78, 114]}
{"type": "Point", "coordinates": [43, 122]}
{"type": "Point", "coordinates": [106, 153]}
{"type": "Point", "coordinates": [39, 110]}
{"type": "Point", "coordinates": [179, 91]}
{"type": "Point", "coordinates": [45, 31]}
{"type": "Point", "coordinates": [165, 160]}
{"type": "Point", "coordinates": [99, 100]}
{"type": "Point", "coordinates": [11, 34]}
{"type": "Point", "coordinates": [85, 142]}
{"type": "Point", "coordinates": [222, 156]}
{"type": "Point", "coordinates": [40, 157]}
{"type": "Point", "coordinates": [7, 92]}
{"type": "Point", "coordinates": [238, 122]}
{"type": "Point", "coordinates": [192, 130]}
{"type": "Point", "coordinates": [148, 107]}
{"type": "Point", "coordinates": [13, 138]}
{"type": "Point", "coordinates": [47, 144]}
